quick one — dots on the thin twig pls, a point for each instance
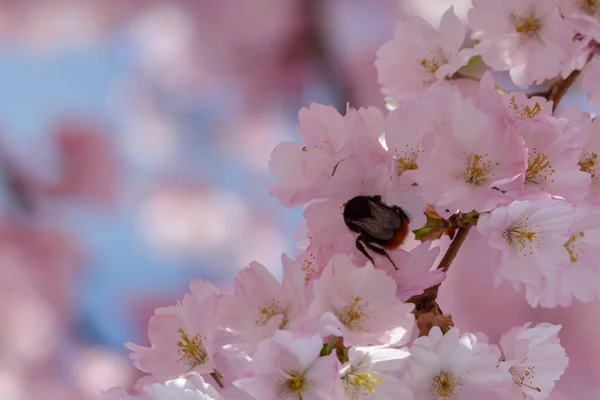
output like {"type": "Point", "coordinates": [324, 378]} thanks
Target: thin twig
{"type": "Point", "coordinates": [450, 255]}
{"type": "Point", "coordinates": [426, 302]}
{"type": "Point", "coordinates": [560, 89]}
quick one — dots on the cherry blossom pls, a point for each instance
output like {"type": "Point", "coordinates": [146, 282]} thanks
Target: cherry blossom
{"type": "Point", "coordinates": [260, 305]}
{"type": "Point", "coordinates": [329, 139]}
{"type": "Point", "coordinates": [452, 365]}
{"type": "Point", "coordinates": [360, 305]}
{"type": "Point", "coordinates": [370, 372]}
{"type": "Point", "coordinates": [288, 366]}
{"type": "Point", "coordinates": [466, 162]}
{"type": "Point", "coordinates": [529, 38]}
{"type": "Point", "coordinates": [182, 337]}
{"type": "Point", "coordinates": [534, 358]}
{"type": "Point", "coordinates": [420, 55]}
{"type": "Point", "coordinates": [529, 236]}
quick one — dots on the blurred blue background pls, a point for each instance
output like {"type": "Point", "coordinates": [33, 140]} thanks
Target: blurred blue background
{"type": "Point", "coordinates": [134, 149]}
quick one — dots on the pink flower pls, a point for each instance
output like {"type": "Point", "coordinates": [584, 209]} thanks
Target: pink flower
{"type": "Point", "coordinates": [288, 366]}
{"type": "Point", "coordinates": [189, 387]}
{"type": "Point", "coordinates": [369, 374]}
{"type": "Point", "coordinates": [527, 37]}
{"type": "Point", "coordinates": [582, 15]}
{"type": "Point", "coordinates": [580, 277]}
{"type": "Point", "coordinates": [415, 273]}
{"type": "Point", "coordinates": [420, 55]}
{"type": "Point", "coordinates": [404, 129]}
{"type": "Point", "coordinates": [453, 366]}
{"type": "Point", "coordinates": [329, 138]}
{"type": "Point", "coordinates": [260, 305]}
{"type": "Point", "coordinates": [360, 305]}
{"type": "Point", "coordinates": [465, 162]}
{"type": "Point", "coordinates": [591, 83]}
{"type": "Point", "coordinates": [534, 358]}
{"type": "Point", "coordinates": [530, 236]}
{"type": "Point", "coordinates": [182, 337]}
{"type": "Point", "coordinates": [553, 153]}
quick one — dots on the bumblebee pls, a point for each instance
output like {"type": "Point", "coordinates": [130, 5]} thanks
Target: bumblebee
{"type": "Point", "coordinates": [380, 227]}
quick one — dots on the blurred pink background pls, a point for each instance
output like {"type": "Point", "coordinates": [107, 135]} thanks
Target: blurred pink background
{"type": "Point", "coordinates": [134, 142]}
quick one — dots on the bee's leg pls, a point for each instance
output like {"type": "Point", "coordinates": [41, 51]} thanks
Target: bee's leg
{"type": "Point", "coordinates": [382, 252]}
{"type": "Point", "coordinates": [361, 248]}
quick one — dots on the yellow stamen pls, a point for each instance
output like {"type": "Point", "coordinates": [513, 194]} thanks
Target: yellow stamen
{"type": "Point", "coordinates": [295, 384]}
{"type": "Point", "coordinates": [538, 168]}
{"type": "Point", "coordinates": [523, 238]}
{"type": "Point", "coordinates": [445, 385]}
{"type": "Point", "coordinates": [477, 169]}
{"type": "Point", "coordinates": [589, 162]}
{"type": "Point", "coordinates": [525, 112]}
{"type": "Point", "coordinates": [268, 311]}
{"type": "Point", "coordinates": [527, 375]}
{"type": "Point", "coordinates": [526, 25]}
{"type": "Point", "coordinates": [191, 350]}
{"type": "Point", "coordinates": [407, 159]}
{"type": "Point", "coordinates": [570, 245]}
{"type": "Point", "coordinates": [354, 314]}
{"type": "Point", "coordinates": [588, 6]}
{"type": "Point", "coordinates": [360, 384]}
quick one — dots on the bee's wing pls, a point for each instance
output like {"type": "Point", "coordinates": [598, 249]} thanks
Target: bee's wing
{"type": "Point", "coordinates": [382, 224]}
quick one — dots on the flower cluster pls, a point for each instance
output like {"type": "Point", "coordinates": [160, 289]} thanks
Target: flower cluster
{"type": "Point", "coordinates": [388, 200]}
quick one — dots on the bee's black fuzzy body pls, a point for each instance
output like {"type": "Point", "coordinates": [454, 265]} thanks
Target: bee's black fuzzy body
{"type": "Point", "coordinates": [379, 226]}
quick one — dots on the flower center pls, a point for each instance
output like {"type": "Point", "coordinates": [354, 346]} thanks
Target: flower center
{"type": "Point", "coordinates": [477, 168]}
{"type": "Point", "coordinates": [354, 315]}
{"type": "Point", "coordinates": [524, 377]}
{"type": "Point", "coordinates": [191, 350]}
{"type": "Point", "coordinates": [445, 385]}
{"type": "Point", "coordinates": [428, 68]}
{"type": "Point", "coordinates": [293, 384]}
{"type": "Point", "coordinates": [526, 25]}
{"type": "Point", "coordinates": [309, 267]}
{"type": "Point", "coordinates": [522, 238]}
{"type": "Point", "coordinates": [538, 168]}
{"type": "Point", "coordinates": [268, 311]}
{"type": "Point", "coordinates": [525, 112]}
{"type": "Point", "coordinates": [589, 162]}
{"type": "Point", "coordinates": [359, 384]}
{"type": "Point", "coordinates": [571, 246]}
{"type": "Point", "coordinates": [588, 6]}
{"type": "Point", "coordinates": [406, 159]}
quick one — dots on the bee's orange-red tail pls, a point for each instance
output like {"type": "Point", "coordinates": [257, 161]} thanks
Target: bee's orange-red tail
{"type": "Point", "coordinates": [399, 236]}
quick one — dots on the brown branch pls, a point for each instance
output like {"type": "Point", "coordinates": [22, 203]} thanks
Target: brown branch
{"type": "Point", "coordinates": [560, 89]}
{"type": "Point", "coordinates": [426, 303]}
{"type": "Point", "coordinates": [457, 242]}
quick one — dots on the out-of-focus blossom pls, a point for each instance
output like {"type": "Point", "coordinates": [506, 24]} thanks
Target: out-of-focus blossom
{"type": "Point", "coordinates": [527, 37]}
{"type": "Point", "coordinates": [419, 55]}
